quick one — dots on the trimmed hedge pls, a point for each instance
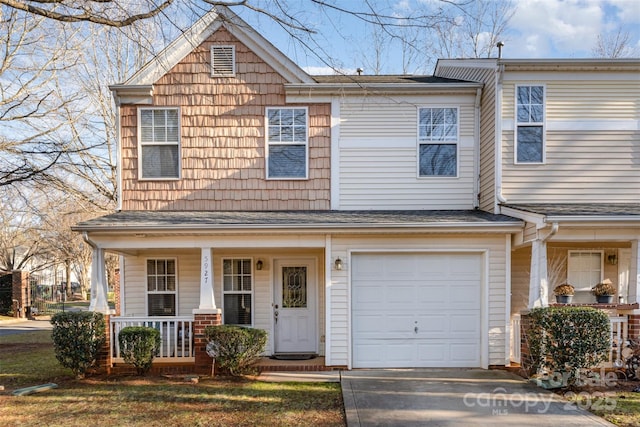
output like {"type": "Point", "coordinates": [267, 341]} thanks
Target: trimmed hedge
{"type": "Point", "coordinates": [139, 345]}
{"type": "Point", "coordinates": [78, 337]}
{"type": "Point", "coordinates": [567, 340]}
{"type": "Point", "coordinates": [235, 348]}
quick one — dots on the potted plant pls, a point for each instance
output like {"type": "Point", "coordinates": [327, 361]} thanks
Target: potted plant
{"type": "Point", "coordinates": [604, 291]}
{"type": "Point", "coordinates": [564, 293]}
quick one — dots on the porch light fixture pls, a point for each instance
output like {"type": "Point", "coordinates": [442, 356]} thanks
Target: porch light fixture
{"type": "Point", "coordinates": [259, 265]}
{"type": "Point", "coordinates": [338, 264]}
{"type": "Point", "coordinates": [612, 259]}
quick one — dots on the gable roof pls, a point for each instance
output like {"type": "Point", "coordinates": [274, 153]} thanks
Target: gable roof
{"type": "Point", "coordinates": [213, 20]}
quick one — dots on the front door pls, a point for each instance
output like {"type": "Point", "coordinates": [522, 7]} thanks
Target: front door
{"type": "Point", "coordinates": [294, 306]}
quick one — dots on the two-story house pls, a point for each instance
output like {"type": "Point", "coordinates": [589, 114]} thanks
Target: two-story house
{"type": "Point", "coordinates": [375, 221]}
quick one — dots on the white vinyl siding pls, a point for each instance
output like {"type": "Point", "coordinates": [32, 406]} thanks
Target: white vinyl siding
{"type": "Point", "coordinates": [378, 159]}
{"type": "Point", "coordinates": [592, 134]}
{"type": "Point", "coordinates": [223, 61]}
{"type": "Point", "coordinates": [188, 273]}
{"type": "Point", "coordinates": [496, 312]}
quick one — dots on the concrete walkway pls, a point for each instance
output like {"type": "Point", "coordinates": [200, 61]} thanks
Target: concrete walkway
{"type": "Point", "coordinates": [11, 327]}
{"type": "Point", "coordinates": [454, 397]}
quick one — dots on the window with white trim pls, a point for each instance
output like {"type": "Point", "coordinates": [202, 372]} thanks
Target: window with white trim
{"type": "Point", "coordinates": [438, 142]}
{"type": "Point", "coordinates": [223, 61]}
{"type": "Point", "coordinates": [584, 271]}
{"type": "Point", "coordinates": [529, 124]}
{"type": "Point", "coordinates": [159, 134]}
{"type": "Point", "coordinates": [237, 291]}
{"type": "Point", "coordinates": [162, 283]}
{"type": "Point", "coordinates": [287, 143]}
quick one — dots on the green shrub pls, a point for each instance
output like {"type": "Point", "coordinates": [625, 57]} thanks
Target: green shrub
{"type": "Point", "coordinates": [235, 348]}
{"type": "Point", "coordinates": [567, 340]}
{"type": "Point", "coordinates": [78, 337]}
{"type": "Point", "coordinates": [139, 345]}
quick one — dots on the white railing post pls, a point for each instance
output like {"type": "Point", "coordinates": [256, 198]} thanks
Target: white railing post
{"type": "Point", "coordinates": [516, 339]}
{"type": "Point", "coordinates": [618, 339]}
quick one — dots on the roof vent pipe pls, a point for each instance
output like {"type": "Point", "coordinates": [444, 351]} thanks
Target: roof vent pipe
{"type": "Point", "coordinates": [500, 45]}
{"type": "Point", "coordinates": [359, 71]}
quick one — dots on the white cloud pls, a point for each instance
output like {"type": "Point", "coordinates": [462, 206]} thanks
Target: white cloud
{"type": "Point", "coordinates": [553, 28]}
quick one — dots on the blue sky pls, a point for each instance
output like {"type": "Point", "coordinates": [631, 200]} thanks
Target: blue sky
{"type": "Point", "coordinates": [538, 29]}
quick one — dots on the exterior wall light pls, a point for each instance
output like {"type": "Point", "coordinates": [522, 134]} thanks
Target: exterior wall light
{"type": "Point", "coordinates": [259, 265]}
{"type": "Point", "coordinates": [338, 264]}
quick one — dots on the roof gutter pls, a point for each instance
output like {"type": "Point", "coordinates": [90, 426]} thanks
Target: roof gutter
{"type": "Point", "coordinates": [307, 89]}
{"type": "Point", "coordinates": [320, 227]}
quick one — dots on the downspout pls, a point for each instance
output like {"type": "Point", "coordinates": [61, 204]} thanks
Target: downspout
{"type": "Point", "coordinates": [476, 161]}
{"type": "Point", "coordinates": [498, 138]}
{"type": "Point", "coordinates": [116, 99]}
{"type": "Point", "coordinates": [554, 229]}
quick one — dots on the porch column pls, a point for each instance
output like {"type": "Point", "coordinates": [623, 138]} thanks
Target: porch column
{"type": "Point", "coordinates": [207, 298]}
{"type": "Point", "coordinates": [99, 285]}
{"type": "Point", "coordinates": [634, 272]}
{"type": "Point", "coordinates": [538, 284]}
{"type": "Point", "coordinates": [207, 314]}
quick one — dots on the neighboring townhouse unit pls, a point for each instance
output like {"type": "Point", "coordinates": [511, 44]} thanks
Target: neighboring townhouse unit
{"type": "Point", "coordinates": [375, 221]}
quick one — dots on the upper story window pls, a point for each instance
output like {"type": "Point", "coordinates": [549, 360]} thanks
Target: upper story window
{"type": "Point", "coordinates": [438, 142]}
{"type": "Point", "coordinates": [287, 144]}
{"type": "Point", "coordinates": [159, 134]}
{"type": "Point", "coordinates": [223, 61]}
{"type": "Point", "coordinates": [237, 291]}
{"type": "Point", "coordinates": [529, 124]}
{"type": "Point", "coordinates": [162, 281]}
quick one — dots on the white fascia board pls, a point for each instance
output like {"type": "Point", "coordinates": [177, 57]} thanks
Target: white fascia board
{"type": "Point", "coordinates": [267, 52]}
{"type": "Point", "coordinates": [323, 89]}
{"type": "Point", "coordinates": [444, 227]}
{"type": "Point", "coordinates": [633, 220]}
{"type": "Point", "coordinates": [176, 50]}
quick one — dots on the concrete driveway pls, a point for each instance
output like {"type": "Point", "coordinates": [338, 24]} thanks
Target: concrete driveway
{"type": "Point", "coordinates": [454, 397]}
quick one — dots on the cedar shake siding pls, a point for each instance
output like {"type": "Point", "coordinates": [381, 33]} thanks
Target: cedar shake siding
{"type": "Point", "coordinates": [222, 145]}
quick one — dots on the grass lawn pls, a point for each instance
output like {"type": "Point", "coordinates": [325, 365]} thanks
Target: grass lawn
{"type": "Point", "coordinates": [27, 359]}
{"type": "Point", "coordinates": [626, 412]}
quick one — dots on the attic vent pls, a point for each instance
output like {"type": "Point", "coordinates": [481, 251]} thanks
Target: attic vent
{"type": "Point", "coordinates": [223, 60]}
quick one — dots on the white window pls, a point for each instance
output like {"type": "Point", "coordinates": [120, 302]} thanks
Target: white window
{"type": "Point", "coordinates": [223, 61]}
{"type": "Point", "coordinates": [159, 133]}
{"type": "Point", "coordinates": [287, 150]}
{"type": "Point", "coordinates": [237, 291]}
{"type": "Point", "coordinates": [438, 142]}
{"type": "Point", "coordinates": [529, 124]}
{"type": "Point", "coordinates": [584, 271]}
{"type": "Point", "coordinates": [162, 282]}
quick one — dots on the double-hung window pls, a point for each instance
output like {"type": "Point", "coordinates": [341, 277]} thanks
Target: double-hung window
{"type": "Point", "coordinates": [287, 143]}
{"type": "Point", "coordinates": [584, 270]}
{"type": "Point", "coordinates": [159, 143]}
{"type": "Point", "coordinates": [162, 280]}
{"type": "Point", "coordinates": [237, 291]}
{"type": "Point", "coordinates": [438, 142]}
{"type": "Point", "coordinates": [529, 124]}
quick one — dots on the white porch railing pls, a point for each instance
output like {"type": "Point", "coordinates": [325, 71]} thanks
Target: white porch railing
{"type": "Point", "coordinates": [176, 334]}
{"type": "Point", "coordinates": [619, 340]}
{"type": "Point", "coordinates": [516, 339]}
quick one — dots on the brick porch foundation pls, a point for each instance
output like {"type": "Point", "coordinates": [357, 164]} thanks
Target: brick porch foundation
{"type": "Point", "coordinates": [202, 319]}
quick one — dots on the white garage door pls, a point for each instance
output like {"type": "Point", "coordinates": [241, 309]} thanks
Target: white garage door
{"type": "Point", "coordinates": [416, 310]}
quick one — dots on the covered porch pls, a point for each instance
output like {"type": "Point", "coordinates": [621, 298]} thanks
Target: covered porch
{"type": "Point", "coordinates": [582, 245]}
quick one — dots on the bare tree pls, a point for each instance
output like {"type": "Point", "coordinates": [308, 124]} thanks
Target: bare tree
{"type": "Point", "coordinates": [615, 44]}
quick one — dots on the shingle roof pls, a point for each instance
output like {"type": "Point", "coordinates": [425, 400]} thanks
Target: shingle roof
{"type": "Point", "coordinates": [403, 78]}
{"type": "Point", "coordinates": [579, 209]}
{"type": "Point", "coordinates": [133, 220]}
